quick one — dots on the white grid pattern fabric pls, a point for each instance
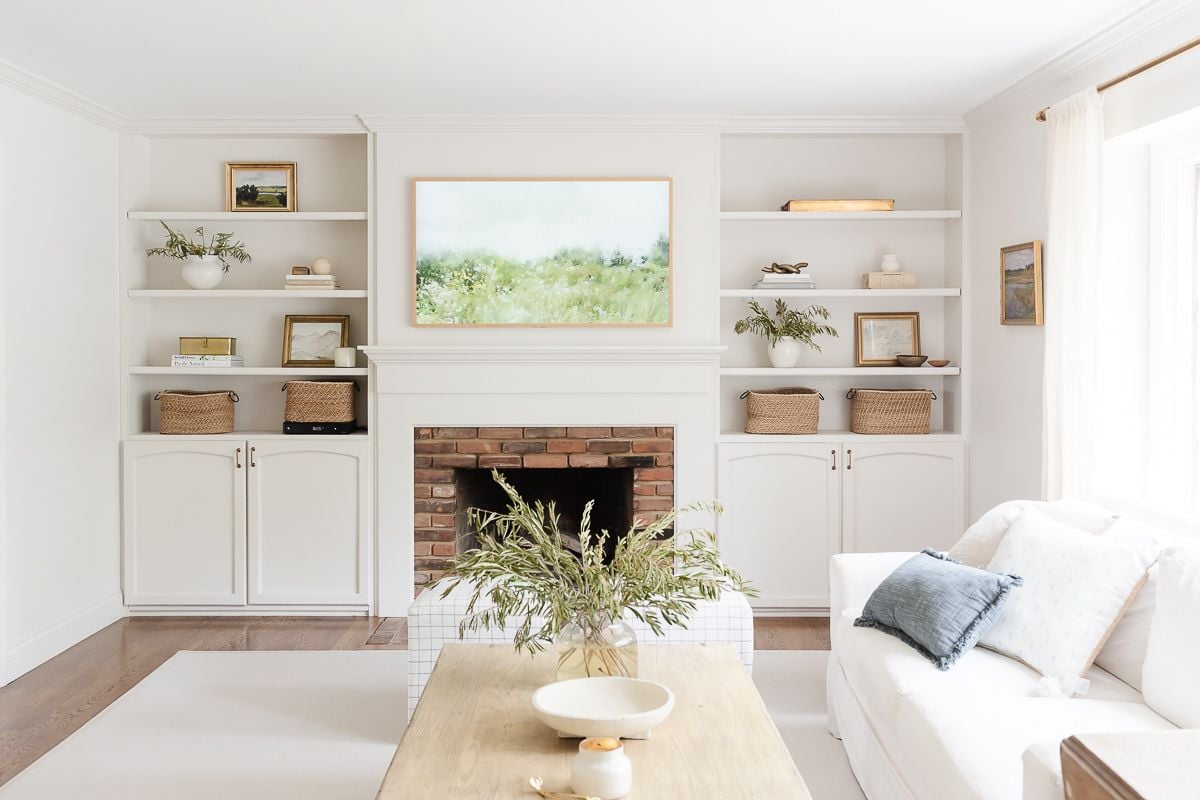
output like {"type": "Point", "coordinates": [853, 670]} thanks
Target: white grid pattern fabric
{"type": "Point", "coordinates": [433, 621]}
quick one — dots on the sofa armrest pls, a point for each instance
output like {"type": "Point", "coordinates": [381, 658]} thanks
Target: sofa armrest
{"type": "Point", "coordinates": [853, 576]}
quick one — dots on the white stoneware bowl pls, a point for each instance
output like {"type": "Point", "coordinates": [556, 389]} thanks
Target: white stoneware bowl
{"type": "Point", "coordinates": [616, 707]}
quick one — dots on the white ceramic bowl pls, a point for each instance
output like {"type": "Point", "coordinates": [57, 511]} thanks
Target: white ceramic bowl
{"type": "Point", "coordinates": [616, 707]}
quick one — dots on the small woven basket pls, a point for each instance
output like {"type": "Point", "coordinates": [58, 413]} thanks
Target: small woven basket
{"type": "Point", "coordinates": [792, 409]}
{"type": "Point", "coordinates": [184, 412]}
{"type": "Point", "coordinates": [890, 411]}
{"type": "Point", "coordinates": [319, 401]}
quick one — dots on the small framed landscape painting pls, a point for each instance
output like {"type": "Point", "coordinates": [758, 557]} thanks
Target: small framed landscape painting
{"type": "Point", "coordinates": [542, 251]}
{"type": "Point", "coordinates": [1021, 284]}
{"type": "Point", "coordinates": [309, 339]}
{"type": "Point", "coordinates": [260, 187]}
{"type": "Point", "coordinates": [879, 338]}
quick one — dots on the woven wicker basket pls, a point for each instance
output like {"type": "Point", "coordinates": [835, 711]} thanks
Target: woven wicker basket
{"type": "Point", "coordinates": [890, 411]}
{"type": "Point", "coordinates": [793, 409]}
{"type": "Point", "coordinates": [184, 412]}
{"type": "Point", "coordinates": [319, 401]}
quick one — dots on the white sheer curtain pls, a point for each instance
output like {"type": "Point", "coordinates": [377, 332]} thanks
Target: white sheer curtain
{"type": "Point", "coordinates": [1071, 283]}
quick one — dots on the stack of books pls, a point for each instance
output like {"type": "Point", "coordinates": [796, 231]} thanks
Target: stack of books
{"type": "Point", "coordinates": [310, 282]}
{"type": "Point", "coordinates": [775, 280]}
{"type": "Point", "coordinates": [206, 361]}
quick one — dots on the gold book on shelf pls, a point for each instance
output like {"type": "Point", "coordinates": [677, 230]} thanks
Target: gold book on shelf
{"type": "Point", "coordinates": [839, 205]}
{"type": "Point", "coordinates": [208, 345]}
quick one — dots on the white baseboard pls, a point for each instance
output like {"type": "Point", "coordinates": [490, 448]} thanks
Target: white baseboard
{"type": "Point", "coordinates": [64, 632]}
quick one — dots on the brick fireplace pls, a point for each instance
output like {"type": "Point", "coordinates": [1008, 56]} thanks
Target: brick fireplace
{"type": "Point", "coordinates": [447, 462]}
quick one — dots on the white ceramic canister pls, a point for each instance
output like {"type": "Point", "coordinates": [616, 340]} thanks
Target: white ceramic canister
{"type": "Point", "coordinates": [601, 769]}
{"type": "Point", "coordinates": [344, 356]}
{"type": "Point", "coordinates": [890, 263]}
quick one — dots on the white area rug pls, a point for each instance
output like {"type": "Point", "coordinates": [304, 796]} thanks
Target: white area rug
{"type": "Point", "coordinates": [307, 725]}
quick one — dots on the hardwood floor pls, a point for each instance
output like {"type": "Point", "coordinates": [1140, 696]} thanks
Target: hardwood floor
{"type": "Point", "coordinates": [45, 706]}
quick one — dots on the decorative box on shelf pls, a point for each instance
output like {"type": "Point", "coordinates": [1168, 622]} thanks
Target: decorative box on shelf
{"type": "Point", "coordinates": [889, 280]}
{"type": "Point", "coordinates": [208, 345]}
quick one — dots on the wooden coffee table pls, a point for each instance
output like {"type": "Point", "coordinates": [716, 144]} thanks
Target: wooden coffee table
{"type": "Point", "coordinates": [1149, 765]}
{"type": "Point", "coordinates": [474, 734]}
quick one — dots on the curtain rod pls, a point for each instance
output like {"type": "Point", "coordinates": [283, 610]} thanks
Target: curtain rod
{"type": "Point", "coordinates": [1133, 73]}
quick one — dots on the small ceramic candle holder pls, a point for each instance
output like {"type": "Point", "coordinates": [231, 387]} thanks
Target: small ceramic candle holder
{"type": "Point", "coordinates": [344, 356]}
{"type": "Point", "coordinates": [601, 769]}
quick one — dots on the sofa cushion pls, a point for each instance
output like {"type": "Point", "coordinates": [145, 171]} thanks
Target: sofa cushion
{"type": "Point", "coordinates": [936, 605]}
{"type": "Point", "coordinates": [1077, 586]}
{"type": "Point", "coordinates": [1173, 651]}
{"type": "Point", "coordinates": [979, 542]}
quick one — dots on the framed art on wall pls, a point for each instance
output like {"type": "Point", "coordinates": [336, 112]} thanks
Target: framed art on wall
{"type": "Point", "coordinates": [1021, 284]}
{"type": "Point", "coordinates": [309, 340]}
{"type": "Point", "coordinates": [542, 251]}
{"type": "Point", "coordinates": [260, 187]}
{"type": "Point", "coordinates": [880, 337]}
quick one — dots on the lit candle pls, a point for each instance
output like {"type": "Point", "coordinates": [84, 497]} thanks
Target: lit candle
{"type": "Point", "coordinates": [601, 769]}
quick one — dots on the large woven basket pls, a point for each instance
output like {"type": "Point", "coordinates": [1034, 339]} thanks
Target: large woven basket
{"type": "Point", "coordinates": [792, 409]}
{"type": "Point", "coordinates": [890, 411]}
{"type": "Point", "coordinates": [319, 401]}
{"type": "Point", "coordinates": [183, 412]}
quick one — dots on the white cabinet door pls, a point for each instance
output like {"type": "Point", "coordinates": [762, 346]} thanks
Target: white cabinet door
{"type": "Point", "coordinates": [184, 523]}
{"type": "Point", "coordinates": [902, 496]}
{"type": "Point", "coordinates": [780, 526]}
{"type": "Point", "coordinates": [309, 525]}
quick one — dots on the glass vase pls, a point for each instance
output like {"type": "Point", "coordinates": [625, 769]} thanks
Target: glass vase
{"type": "Point", "coordinates": [597, 648]}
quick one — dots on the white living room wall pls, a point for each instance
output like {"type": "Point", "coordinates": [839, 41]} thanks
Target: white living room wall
{"type": "Point", "coordinates": [59, 387]}
{"type": "Point", "coordinates": [1007, 180]}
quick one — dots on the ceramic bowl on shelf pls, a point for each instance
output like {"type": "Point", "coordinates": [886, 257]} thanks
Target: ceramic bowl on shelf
{"type": "Point", "coordinates": [939, 362]}
{"type": "Point", "coordinates": [614, 707]}
{"type": "Point", "coordinates": [911, 360]}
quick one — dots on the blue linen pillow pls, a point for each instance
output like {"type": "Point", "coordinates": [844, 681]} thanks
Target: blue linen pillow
{"type": "Point", "coordinates": [936, 605]}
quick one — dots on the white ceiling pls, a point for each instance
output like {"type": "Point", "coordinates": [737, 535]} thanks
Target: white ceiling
{"type": "Point", "coordinates": [166, 57]}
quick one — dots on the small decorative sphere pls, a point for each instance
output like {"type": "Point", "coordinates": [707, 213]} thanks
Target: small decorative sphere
{"type": "Point", "coordinates": [321, 266]}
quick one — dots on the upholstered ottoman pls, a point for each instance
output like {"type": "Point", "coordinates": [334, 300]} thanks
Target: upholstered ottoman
{"type": "Point", "coordinates": [433, 621]}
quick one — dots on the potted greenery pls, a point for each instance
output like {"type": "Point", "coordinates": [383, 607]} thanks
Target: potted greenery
{"type": "Point", "coordinates": [581, 602]}
{"type": "Point", "coordinates": [205, 261]}
{"type": "Point", "coordinates": [786, 329]}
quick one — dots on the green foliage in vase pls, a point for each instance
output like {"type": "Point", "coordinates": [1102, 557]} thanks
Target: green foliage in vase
{"type": "Point", "coordinates": [786, 323]}
{"type": "Point", "coordinates": [522, 568]}
{"type": "Point", "coordinates": [180, 246]}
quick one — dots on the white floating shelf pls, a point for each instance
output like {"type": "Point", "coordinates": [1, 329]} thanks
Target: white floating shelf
{"type": "Point", "coordinates": [273, 216]}
{"type": "Point", "coordinates": [808, 216]}
{"type": "Point", "coordinates": [291, 294]}
{"type": "Point", "coordinates": [857, 293]}
{"type": "Point", "coordinates": [860, 372]}
{"type": "Point", "coordinates": [838, 436]}
{"type": "Point", "coordinates": [153, 436]}
{"type": "Point", "coordinates": [251, 371]}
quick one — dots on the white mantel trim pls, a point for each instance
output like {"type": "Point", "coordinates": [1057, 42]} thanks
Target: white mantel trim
{"type": "Point", "coordinates": [543, 354]}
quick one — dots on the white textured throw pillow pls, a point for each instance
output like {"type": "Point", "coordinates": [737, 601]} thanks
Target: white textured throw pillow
{"type": "Point", "coordinates": [979, 542]}
{"type": "Point", "coordinates": [1173, 653]}
{"type": "Point", "coordinates": [1077, 586]}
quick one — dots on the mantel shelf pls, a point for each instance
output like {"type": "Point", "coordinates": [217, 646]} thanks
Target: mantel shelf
{"type": "Point", "coordinates": [291, 294]}
{"type": "Point", "coordinates": [855, 293]}
{"type": "Point", "coordinates": [861, 372]}
{"type": "Point", "coordinates": [809, 216]}
{"type": "Point", "coordinates": [252, 371]}
{"type": "Point", "coordinates": [245, 216]}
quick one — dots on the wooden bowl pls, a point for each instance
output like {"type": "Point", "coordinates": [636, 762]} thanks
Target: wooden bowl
{"type": "Point", "coordinates": [911, 361]}
{"type": "Point", "coordinates": [616, 707]}
{"type": "Point", "coordinates": [939, 362]}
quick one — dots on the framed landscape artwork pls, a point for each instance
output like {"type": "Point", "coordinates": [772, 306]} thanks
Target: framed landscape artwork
{"type": "Point", "coordinates": [879, 338]}
{"type": "Point", "coordinates": [542, 251]}
{"type": "Point", "coordinates": [1021, 284]}
{"type": "Point", "coordinates": [310, 339]}
{"type": "Point", "coordinates": [260, 187]}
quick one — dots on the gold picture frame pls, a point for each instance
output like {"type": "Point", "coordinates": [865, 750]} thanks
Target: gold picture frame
{"type": "Point", "coordinates": [1021, 292]}
{"type": "Point", "coordinates": [260, 186]}
{"type": "Point", "coordinates": [307, 337]}
{"type": "Point", "coordinates": [426, 320]}
{"type": "Point", "coordinates": [880, 336]}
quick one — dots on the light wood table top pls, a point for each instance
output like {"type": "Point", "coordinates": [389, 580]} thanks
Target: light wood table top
{"type": "Point", "coordinates": [1153, 765]}
{"type": "Point", "coordinates": [474, 733]}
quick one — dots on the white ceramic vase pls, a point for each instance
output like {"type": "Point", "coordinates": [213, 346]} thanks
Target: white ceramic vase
{"type": "Point", "coordinates": [784, 353]}
{"type": "Point", "coordinates": [890, 263]}
{"type": "Point", "coordinates": [202, 272]}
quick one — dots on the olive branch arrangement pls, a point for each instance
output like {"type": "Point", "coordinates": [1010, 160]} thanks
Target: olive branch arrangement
{"type": "Point", "coordinates": [522, 568]}
{"type": "Point", "coordinates": [180, 246]}
{"type": "Point", "coordinates": [786, 323]}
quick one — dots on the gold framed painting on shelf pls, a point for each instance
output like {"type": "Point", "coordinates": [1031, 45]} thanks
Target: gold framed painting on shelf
{"type": "Point", "coordinates": [1021, 295]}
{"type": "Point", "coordinates": [881, 336]}
{"type": "Point", "coordinates": [260, 186]}
{"type": "Point", "coordinates": [310, 339]}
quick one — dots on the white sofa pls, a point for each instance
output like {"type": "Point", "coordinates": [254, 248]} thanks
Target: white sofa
{"type": "Point", "coordinates": [976, 731]}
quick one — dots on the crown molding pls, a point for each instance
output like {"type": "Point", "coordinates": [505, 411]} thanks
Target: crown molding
{"type": "Point", "coordinates": [203, 125]}
{"type": "Point", "coordinates": [634, 123]}
{"type": "Point", "coordinates": [59, 96]}
{"type": "Point", "coordinates": [1126, 32]}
